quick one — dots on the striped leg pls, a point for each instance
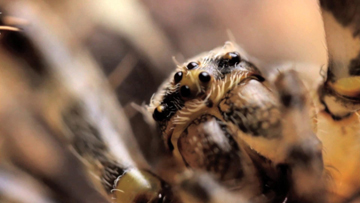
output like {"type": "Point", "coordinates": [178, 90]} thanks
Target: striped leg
{"type": "Point", "coordinates": [208, 145]}
{"type": "Point", "coordinates": [341, 92]}
{"type": "Point", "coordinates": [279, 129]}
{"type": "Point", "coordinates": [338, 124]}
{"type": "Point", "coordinates": [303, 150]}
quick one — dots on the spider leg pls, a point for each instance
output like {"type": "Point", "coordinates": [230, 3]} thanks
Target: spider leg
{"type": "Point", "coordinates": [30, 144]}
{"type": "Point", "coordinates": [278, 127]}
{"type": "Point", "coordinates": [340, 94]}
{"type": "Point", "coordinates": [303, 149]}
{"type": "Point", "coordinates": [338, 122]}
{"type": "Point", "coordinates": [208, 145]}
{"type": "Point", "coordinates": [124, 182]}
{"type": "Point", "coordinates": [197, 186]}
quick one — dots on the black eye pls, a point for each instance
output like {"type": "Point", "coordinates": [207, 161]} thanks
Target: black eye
{"type": "Point", "coordinates": [230, 59]}
{"type": "Point", "coordinates": [160, 113]}
{"type": "Point", "coordinates": [185, 91]}
{"type": "Point", "coordinates": [192, 65]}
{"type": "Point", "coordinates": [204, 77]}
{"type": "Point", "coordinates": [177, 77]}
{"type": "Point", "coordinates": [234, 58]}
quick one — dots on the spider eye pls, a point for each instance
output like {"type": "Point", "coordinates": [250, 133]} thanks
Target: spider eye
{"type": "Point", "coordinates": [178, 76]}
{"type": "Point", "coordinates": [192, 65]}
{"type": "Point", "coordinates": [160, 113]}
{"type": "Point", "coordinates": [230, 59]}
{"type": "Point", "coordinates": [233, 58]}
{"type": "Point", "coordinates": [185, 91]}
{"type": "Point", "coordinates": [204, 77]}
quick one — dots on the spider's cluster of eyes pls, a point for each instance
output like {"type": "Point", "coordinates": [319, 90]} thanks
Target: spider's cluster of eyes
{"type": "Point", "coordinates": [186, 89]}
{"type": "Point", "coordinates": [203, 76]}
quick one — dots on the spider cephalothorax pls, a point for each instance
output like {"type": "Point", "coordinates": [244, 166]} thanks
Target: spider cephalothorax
{"type": "Point", "coordinates": [198, 83]}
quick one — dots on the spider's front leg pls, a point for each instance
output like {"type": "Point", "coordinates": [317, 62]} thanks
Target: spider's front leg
{"type": "Point", "coordinates": [303, 153]}
{"type": "Point", "coordinates": [277, 126]}
{"type": "Point", "coordinates": [208, 145]}
{"type": "Point", "coordinates": [120, 178]}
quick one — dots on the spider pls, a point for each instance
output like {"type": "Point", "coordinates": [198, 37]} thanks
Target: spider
{"type": "Point", "coordinates": [232, 131]}
{"type": "Point", "coordinates": [218, 114]}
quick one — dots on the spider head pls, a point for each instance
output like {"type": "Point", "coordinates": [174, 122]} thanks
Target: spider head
{"type": "Point", "coordinates": [199, 80]}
